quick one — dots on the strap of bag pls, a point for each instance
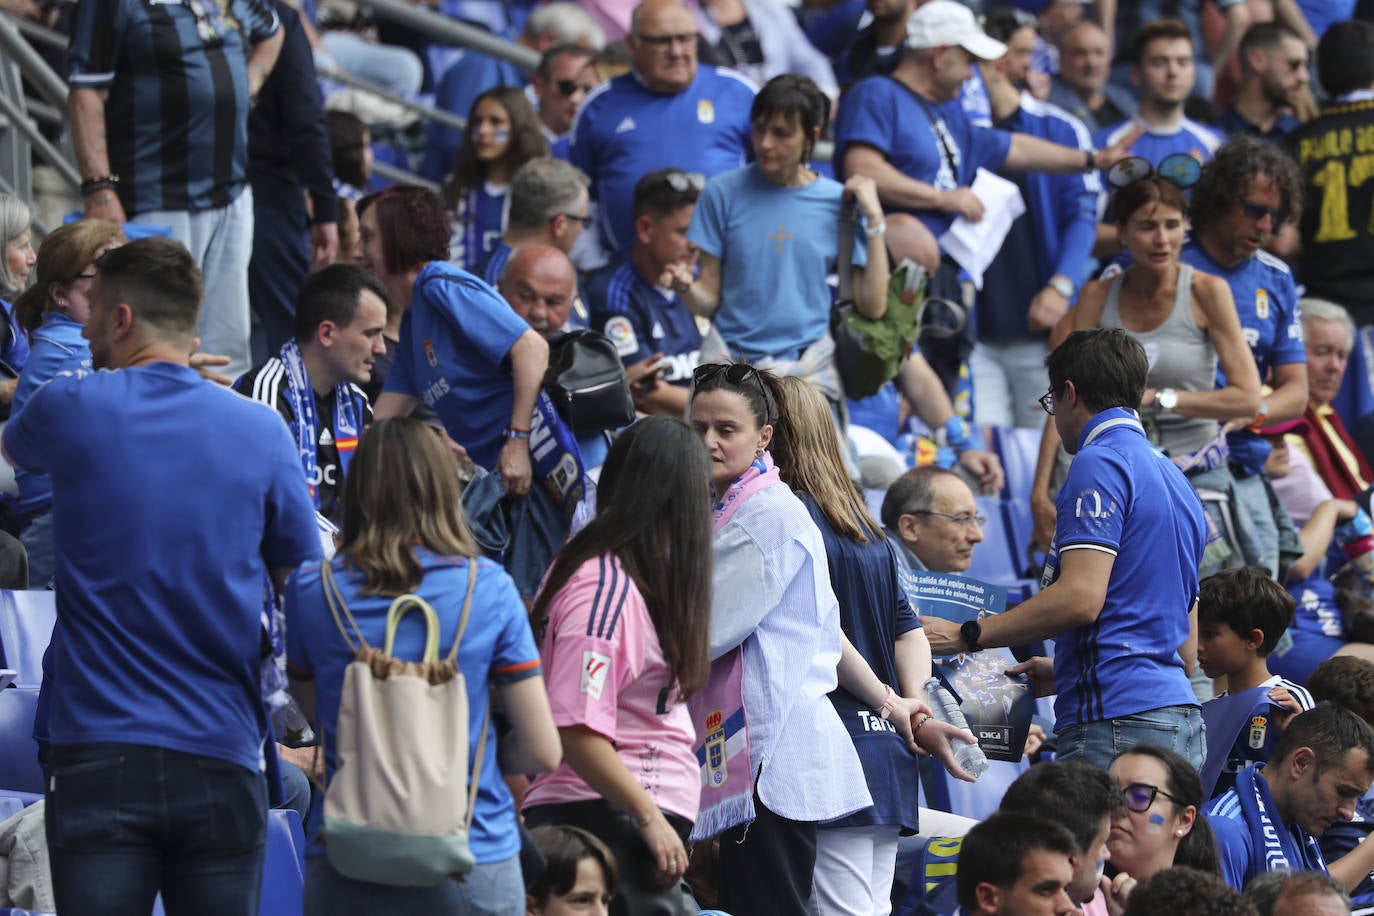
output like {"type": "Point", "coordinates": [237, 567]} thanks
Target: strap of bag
{"type": "Point", "coordinates": [334, 598]}
{"type": "Point", "coordinates": [844, 256]}
{"type": "Point", "coordinates": [475, 776]}
{"type": "Point", "coordinates": [398, 609]}
{"type": "Point", "coordinates": [463, 619]}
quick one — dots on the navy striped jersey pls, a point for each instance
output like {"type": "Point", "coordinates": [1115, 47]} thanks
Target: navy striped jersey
{"type": "Point", "coordinates": [176, 119]}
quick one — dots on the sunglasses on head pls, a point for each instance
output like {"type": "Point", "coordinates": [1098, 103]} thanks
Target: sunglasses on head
{"type": "Point", "coordinates": [681, 181]}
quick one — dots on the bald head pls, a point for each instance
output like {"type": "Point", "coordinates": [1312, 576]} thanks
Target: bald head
{"type": "Point", "coordinates": [540, 282]}
{"type": "Point", "coordinates": [663, 45]}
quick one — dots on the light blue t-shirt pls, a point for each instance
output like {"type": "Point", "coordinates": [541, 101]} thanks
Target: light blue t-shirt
{"type": "Point", "coordinates": [1125, 498]}
{"type": "Point", "coordinates": [623, 130]}
{"type": "Point", "coordinates": [777, 247]}
{"type": "Point", "coordinates": [57, 346]}
{"type": "Point", "coordinates": [172, 496]}
{"type": "Point", "coordinates": [452, 355]}
{"type": "Point", "coordinates": [497, 649]}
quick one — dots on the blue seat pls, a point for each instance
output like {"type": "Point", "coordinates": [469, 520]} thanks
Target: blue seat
{"type": "Point", "coordinates": [19, 768]}
{"type": "Point", "coordinates": [995, 560]}
{"type": "Point", "coordinates": [1018, 449]}
{"type": "Point", "coordinates": [26, 622]}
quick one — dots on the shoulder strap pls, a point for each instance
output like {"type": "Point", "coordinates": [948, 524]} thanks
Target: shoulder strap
{"type": "Point", "coordinates": [475, 776]}
{"type": "Point", "coordinates": [463, 619]}
{"type": "Point", "coordinates": [844, 257]}
{"type": "Point", "coordinates": [334, 598]}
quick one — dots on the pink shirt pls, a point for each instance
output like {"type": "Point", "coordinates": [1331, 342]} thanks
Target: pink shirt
{"type": "Point", "coordinates": [605, 670]}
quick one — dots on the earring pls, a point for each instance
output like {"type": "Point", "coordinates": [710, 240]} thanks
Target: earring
{"type": "Point", "coordinates": [758, 452]}
{"type": "Point", "coordinates": [1178, 833]}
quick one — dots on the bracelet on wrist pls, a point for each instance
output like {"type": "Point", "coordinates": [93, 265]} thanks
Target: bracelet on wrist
{"type": "Point", "coordinates": [920, 725]}
{"type": "Point", "coordinates": [873, 232]}
{"type": "Point", "coordinates": [889, 703]}
{"type": "Point", "coordinates": [515, 432]}
{"type": "Point", "coordinates": [99, 183]}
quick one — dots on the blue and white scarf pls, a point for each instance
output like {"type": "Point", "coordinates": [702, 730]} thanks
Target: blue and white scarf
{"type": "Point", "coordinates": [347, 418]}
{"type": "Point", "coordinates": [1285, 847]}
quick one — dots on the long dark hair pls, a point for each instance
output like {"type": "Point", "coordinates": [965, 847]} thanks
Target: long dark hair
{"type": "Point", "coordinates": [654, 515]}
{"type": "Point", "coordinates": [1198, 849]}
{"type": "Point", "coordinates": [526, 142]}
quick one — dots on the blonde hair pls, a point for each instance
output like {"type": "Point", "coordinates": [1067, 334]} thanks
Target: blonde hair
{"type": "Point", "coordinates": [402, 490]}
{"type": "Point", "coordinates": [807, 452]}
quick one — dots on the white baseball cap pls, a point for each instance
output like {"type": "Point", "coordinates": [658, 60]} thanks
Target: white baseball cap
{"type": "Point", "coordinates": [942, 23]}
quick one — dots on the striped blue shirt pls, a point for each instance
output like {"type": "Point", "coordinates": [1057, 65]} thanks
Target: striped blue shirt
{"type": "Point", "coordinates": [176, 118]}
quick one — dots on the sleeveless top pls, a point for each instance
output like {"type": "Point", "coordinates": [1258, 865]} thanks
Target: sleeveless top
{"type": "Point", "coordinates": [1181, 356]}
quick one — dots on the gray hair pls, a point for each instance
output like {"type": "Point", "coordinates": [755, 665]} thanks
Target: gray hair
{"type": "Point", "coordinates": [1266, 889]}
{"type": "Point", "coordinates": [541, 189]}
{"type": "Point", "coordinates": [568, 23]}
{"type": "Point", "coordinates": [15, 217]}
{"type": "Point", "coordinates": [913, 491]}
{"type": "Point", "coordinates": [1325, 310]}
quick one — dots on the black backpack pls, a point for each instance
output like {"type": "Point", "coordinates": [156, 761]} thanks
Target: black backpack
{"type": "Point", "coordinates": [587, 383]}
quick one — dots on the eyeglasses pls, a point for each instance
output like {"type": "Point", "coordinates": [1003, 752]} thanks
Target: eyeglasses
{"type": "Point", "coordinates": [681, 181]}
{"type": "Point", "coordinates": [1257, 212]}
{"type": "Point", "coordinates": [1047, 402]}
{"type": "Point", "coordinates": [1141, 795]}
{"type": "Point", "coordinates": [568, 87]}
{"type": "Point", "coordinates": [586, 221]}
{"type": "Point", "coordinates": [663, 41]}
{"type": "Point", "coordinates": [963, 519]}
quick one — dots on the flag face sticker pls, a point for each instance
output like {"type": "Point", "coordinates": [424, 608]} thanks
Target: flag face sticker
{"type": "Point", "coordinates": [594, 669]}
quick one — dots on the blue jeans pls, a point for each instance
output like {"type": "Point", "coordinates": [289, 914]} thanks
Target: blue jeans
{"type": "Point", "coordinates": [124, 821]}
{"type": "Point", "coordinates": [494, 889]}
{"type": "Point", "coordinates": [1252, 498]}
{"type": "Point", "coordinates": [1178, 728]}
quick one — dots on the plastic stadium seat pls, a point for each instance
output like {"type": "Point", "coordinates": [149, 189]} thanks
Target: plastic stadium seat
{"type": "Point", "coordinates": [283, 871]}
{"type": "Point", "coordinates": [19, 768]}
{"type": "Point", "coordinates": [995, 560]}
{"type": "Point", "coordinates": [1018, 449]}
{"type": "Point", "coordinates": [26, 622]}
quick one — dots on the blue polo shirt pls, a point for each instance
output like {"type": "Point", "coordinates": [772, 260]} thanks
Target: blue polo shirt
{"type": "Point", "coordinates": [1124, 497]}
{"type": "Point", "coordinates": [642, 319]}
{"type": "Point", "coordinates": [1267, 303]}
{"type": "Point", "coordinates": [933, 143]}
{"type": "Point", "coordinates": [164, 530]}
{"type": "Point", "coordinates": [177, 112]}
{"type": "Point", "coordinates": [624, 130]}
{"type": "Point", "coordinates": [455, 338]}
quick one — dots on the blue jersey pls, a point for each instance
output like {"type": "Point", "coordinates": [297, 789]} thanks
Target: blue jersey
{"type": "Point", "coordinates": [643, 320]}
{"type": "Point", "coordinates": [936, 144]}
{"type": "Point", "coordinates": [1125, 498]}
{"type": "Point", "coordinates": [497, 649]}
{"type": "Point", "coordinates": [454, 340]}
{"type": "Point", "coordinates": [164, 531]}
{"type": "Point", "coordinates": [1343, 836]}
{"type": "Point", "coordinates": [467, 78]}
{"type": "Point", "coordinates": [973, 98]}
{"type": "Point", "coordinates": [478, 225]}
{"type": "Point", "coordinates": [491, 266]}
{"type": "Point", "coordinates": [624, 130]}
{"type": "Point", "coordinates": [1267, 303]}
{"type": "Point", "coordinates": [57, 346]}
{"type": "Point", "coordinates": [777, 247]}
{"type": "Point", "coordinates": [931, 889]}
{"type": "Point", "coordinates": [1191, 137]}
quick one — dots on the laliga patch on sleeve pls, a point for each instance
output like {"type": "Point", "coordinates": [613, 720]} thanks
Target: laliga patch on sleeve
{"type": "Point", "coordinates": [622, 334]}
{"type": "Point", "coordinates": [595, 666]}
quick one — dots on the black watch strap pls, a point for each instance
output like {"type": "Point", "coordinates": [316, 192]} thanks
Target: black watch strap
{"type": "Point", "coordinates": [970, 632]}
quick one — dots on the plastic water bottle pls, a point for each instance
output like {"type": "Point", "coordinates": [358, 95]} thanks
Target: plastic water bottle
{"type": "Point", "coordinates": [1356, 538]}
{"type": "Point", "coordinates": [968, 756]}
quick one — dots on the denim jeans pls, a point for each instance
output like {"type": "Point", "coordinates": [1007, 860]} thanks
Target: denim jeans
{"type": "Point", "coordinates": [1178, 728]}
{"type": "Point", "coordinates": [127, 820]}
{"type": "Point", "coordinates": [493, 889]}
{"type": "Point", "coordinates": [221, 241]}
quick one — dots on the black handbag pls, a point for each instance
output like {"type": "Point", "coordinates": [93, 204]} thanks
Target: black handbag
{"type": "Point", "coordinates": [587, 383]}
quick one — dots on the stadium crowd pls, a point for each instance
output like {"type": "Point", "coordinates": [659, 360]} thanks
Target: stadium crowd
{"type": "Point", "coordinates": [571, 571]}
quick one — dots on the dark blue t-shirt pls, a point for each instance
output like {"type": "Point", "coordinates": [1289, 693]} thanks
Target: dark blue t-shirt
{"type": "Point", "coordinates": [641, 320]}
{"type": "Point", "coordinates": [163, 534]}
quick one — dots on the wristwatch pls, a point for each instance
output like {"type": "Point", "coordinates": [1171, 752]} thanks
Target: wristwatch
{"type": "Point", "coordinates": [1166, 399]}
{"type": "Point", "coordinates": [1063, 286]}
{"type": "Point", "coordinates": [970, 632]}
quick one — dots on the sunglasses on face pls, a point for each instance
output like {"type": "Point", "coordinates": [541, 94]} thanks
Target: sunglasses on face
{"type": "Point", "coordinates": [1140, 796]}
{"type": "Point", "coordinates": [1256, 212]}
{"type": "Point", "coordinates": [566, 87]}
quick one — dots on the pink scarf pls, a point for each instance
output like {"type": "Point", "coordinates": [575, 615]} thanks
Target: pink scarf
{"type": "Point", "coordinates": [727, 783]}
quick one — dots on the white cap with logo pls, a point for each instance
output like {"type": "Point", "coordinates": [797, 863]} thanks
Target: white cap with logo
{"type": "Point", "coordinates": [942, 23]}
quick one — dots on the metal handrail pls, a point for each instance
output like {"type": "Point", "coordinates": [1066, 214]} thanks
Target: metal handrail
{"type": "Point", "coordinates": [452, 31]}
{"type": "Point", "coordinates": [402, 176]}
{"type": "Point", "coordinates": [50, 86]}
{"type": "Point", "coordinates": [50, 153]}
{"type": "Point", "coordinates": [429, 112]}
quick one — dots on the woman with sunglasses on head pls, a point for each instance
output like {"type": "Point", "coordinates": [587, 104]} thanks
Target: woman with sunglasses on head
{"type": "Point", "coordinates": [502, 135]}
{"type": "Point", "coordinates": [1163, 825]}
{"type": "Point", "coordinates": [856, 856]}
{"type": "Point", "coordinates": [52, 313]}
{"type": "Point", "coordinates": [768, 235]}
{"type": "Point", "coordinates": [1187, 322]}
{"type": "Point", "coordinates": [622, 621]}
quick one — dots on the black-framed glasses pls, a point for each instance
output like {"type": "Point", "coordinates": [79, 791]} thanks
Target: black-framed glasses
{"type": "Point", "coordinates": [963, 519]}
{"type": "Point", "coordinates": [1141, 795]}
{"type": "Point", "coordinates": [681, 181]}
{"type": "Point", "coordinates": [1256, 212]}
{"type": "Point", "coordinates": [663, 41]}
{"type": "Point", "coordinates": [1047, 402]}
{"type": "Point", "coordinates": [586, 221]}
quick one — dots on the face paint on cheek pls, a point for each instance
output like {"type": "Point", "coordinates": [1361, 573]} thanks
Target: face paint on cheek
{"type": "Point", "coordinates": [1101, 870]}
{"type": "Point", "coordinates": [500, 135]}
{"type": "Point", "coordinates": [1156, 824]}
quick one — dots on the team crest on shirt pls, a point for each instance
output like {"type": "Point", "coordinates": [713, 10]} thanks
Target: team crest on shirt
{"type": "Point", "coordinates": [622, 334]}
{"type": "Point", "coordinates": [1261, 303]}
{"type": "Point", "coordinates": [594, 669]}
{"type": "Point", "coordinates": [1259, 726]}
{"type": "Point", "coordinates": [706, 111]}
{"type": "Point", "coordinates": [431, 356]}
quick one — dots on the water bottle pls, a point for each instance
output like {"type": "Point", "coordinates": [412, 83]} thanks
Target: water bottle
{"type": "Point", "coordinates": [968, 756]}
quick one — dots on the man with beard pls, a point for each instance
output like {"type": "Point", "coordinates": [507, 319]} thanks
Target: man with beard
{"type": "Point", "coordinates": [1273, 65]}
{"type": "Point", "coordinates": [877, 48]}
